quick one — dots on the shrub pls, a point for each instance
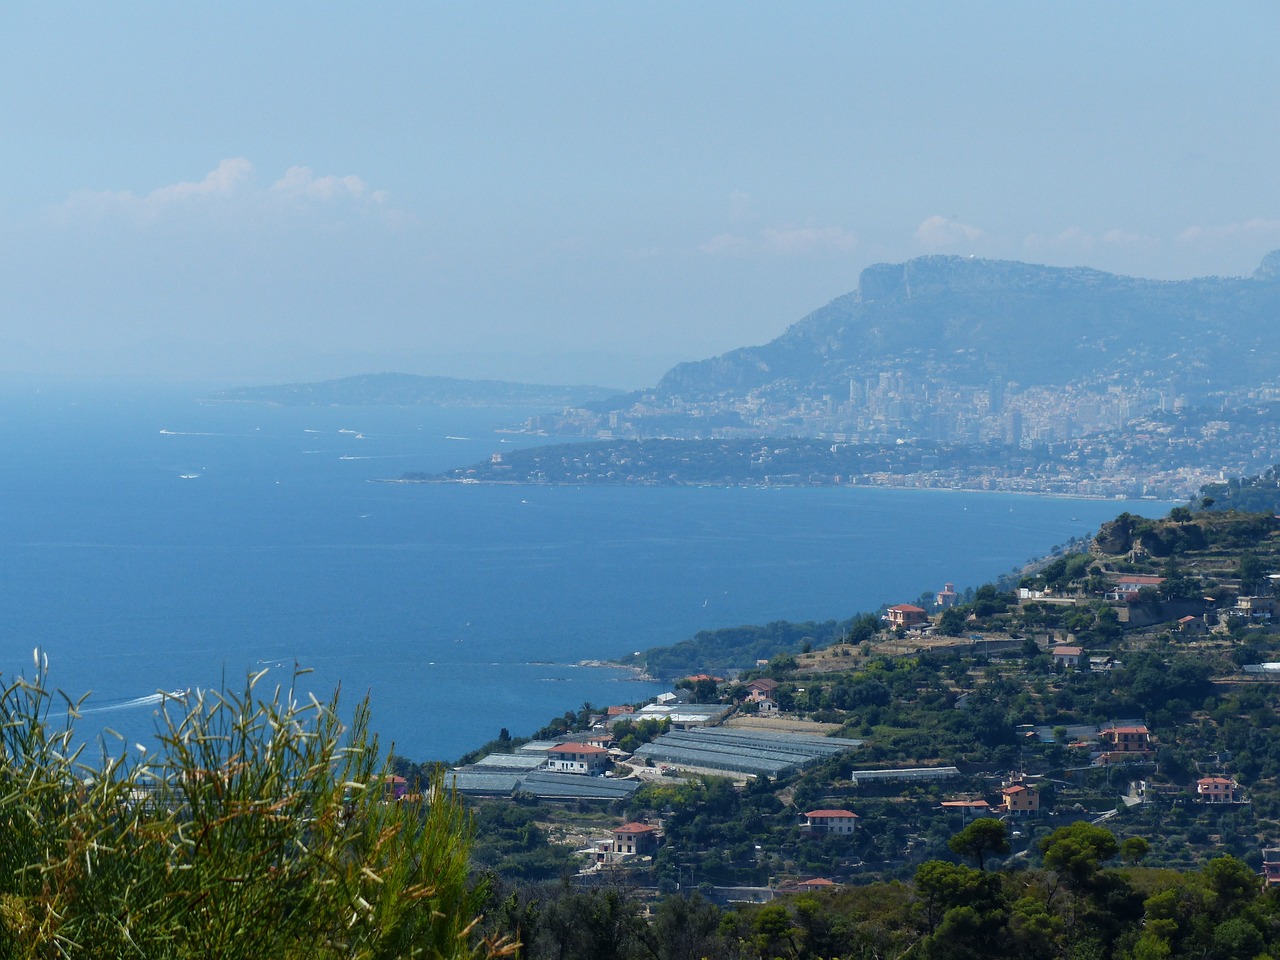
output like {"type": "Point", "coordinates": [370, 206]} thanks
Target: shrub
{"type": "Point", "coordinates": [261, 826]}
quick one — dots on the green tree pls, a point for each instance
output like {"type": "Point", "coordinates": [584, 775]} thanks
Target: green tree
{"type": "Point", "coordinates": [1134, 849]}
{"type": "Point", "coordinates": [1250, 571]}
{"type": "Point", "coordinates": [951, 622]}
{"type": "Point", "coordinates": [685, 928]}
{"type": "Point", "coordinates": [1232, 881]}
{"type": "Point", "coordinates": [1076, 851]}
{"type": "Point", "coordinates": [984, 835]}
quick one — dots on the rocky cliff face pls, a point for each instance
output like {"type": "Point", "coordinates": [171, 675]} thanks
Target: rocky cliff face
{"type": "Point", "coordinates": [969, 320]}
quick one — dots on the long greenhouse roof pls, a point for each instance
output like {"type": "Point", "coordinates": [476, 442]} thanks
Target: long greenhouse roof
{"type": "Point", "coordinates": [539, 783]}
{"type": "Point", "coordinates": [760, 753]}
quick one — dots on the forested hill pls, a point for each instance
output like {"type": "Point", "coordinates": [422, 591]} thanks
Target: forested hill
{"type": "Point", "coordinates": [969, 320]}
{"type": "Point", "coordinates": [1258, 494]}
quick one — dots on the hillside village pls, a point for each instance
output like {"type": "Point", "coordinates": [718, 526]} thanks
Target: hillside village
{"type": "Point", "coordinates": [1130, 685]}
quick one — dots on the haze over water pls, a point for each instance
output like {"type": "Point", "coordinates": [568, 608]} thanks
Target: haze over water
{"type": "Point", "coordinates": [151, 542]}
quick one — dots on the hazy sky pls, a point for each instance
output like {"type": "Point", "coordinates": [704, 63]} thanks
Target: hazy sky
{"type": "Point", "coordinates": [589, 192]}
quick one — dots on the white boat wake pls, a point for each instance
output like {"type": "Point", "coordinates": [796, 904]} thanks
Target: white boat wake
{"type": "Point", "coordinates": [148, 700]}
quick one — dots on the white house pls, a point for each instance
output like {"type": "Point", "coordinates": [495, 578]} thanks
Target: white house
{"type": "Point", "coordinates": [831, 821]}
{"type": "Point", "coordinates": [581, 758]}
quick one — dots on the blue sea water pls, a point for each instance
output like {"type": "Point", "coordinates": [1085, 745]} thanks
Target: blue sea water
{"type": "Point", "coordinates": [152, 542]}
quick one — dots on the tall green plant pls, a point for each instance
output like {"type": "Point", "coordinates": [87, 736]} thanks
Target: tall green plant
{"type": "Point", "coordinates": [261, 826]}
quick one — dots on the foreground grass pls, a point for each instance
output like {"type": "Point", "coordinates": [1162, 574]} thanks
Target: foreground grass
{"type": "Point", "coordinates": [261, 826]}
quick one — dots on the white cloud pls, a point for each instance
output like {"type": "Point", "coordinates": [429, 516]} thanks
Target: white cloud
{"type": "Point", "coordinates": [941, 232]}
{"type": "Point", "coordinates": [228, 179]}
{"type": "Point", "coordinates": [1253, 227]}
{"type": "Point", "coordinates": [301, 183]}
{"type": "Point", "coordinates": [231, 185]}
{"type": "Point", "coordinates": [224, 180]}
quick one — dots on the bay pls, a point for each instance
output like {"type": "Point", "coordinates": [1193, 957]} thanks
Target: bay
{"type": "Point", "coordinates": [151, 542]}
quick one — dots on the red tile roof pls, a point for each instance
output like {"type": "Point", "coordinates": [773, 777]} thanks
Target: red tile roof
{"type": "Point", "coordinates": [635, 828]}
{"type": "Point", "coordinates": [831, 813]}
{"type": "Point", "coordinates": [576, 748]}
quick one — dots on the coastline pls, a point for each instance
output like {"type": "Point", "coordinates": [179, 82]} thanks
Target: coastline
{"type": "Point", "coordinates": [637, 674]}
{"type": "Point", "coordinates": [909, 487]}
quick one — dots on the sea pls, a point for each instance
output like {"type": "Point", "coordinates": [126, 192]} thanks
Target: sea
{"type": "Point", "coordinates": [152, 541]}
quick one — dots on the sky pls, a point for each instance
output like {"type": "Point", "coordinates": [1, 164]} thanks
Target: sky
{"type": "Point", "coordinates": [588, 192]}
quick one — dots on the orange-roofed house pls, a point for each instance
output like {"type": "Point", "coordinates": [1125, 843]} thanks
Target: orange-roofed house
{"type": "Point", "coordinates": [581, 758]}
{"type": "Point", "coordinates": [762, 689]}
{"type": "Point", "coordinates": [1020, 798]}
{"type": "Point", "coordinates": [907, 615]}
{"type": "Point", "coordinates": [831, 821]}
{"type": "Point", "coordinates": [1218, 790]}
{"type": "Point", "coordinates": [635, 839]}
{"type": "Point", "coordinates": [1125, 743]}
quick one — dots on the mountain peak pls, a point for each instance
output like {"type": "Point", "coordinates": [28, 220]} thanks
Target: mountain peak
{"type": "Point", "coordinates": [939, 275]}
{"type": "Point", "coordinates": [969, 320]}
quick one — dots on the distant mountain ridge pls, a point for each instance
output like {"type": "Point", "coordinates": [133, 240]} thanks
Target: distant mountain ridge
{"type": "Point", "coordinates": [403, 389]}
{"type": "Point", "coordinates": [972, 320]}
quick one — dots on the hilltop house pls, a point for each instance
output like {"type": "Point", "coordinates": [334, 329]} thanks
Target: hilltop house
{"type": "Point", "coordinates": [1068, 657]}
{"type": "Point", "coordinates": [629, 840]}
{"type": "Point", "coordinates": [1254, 608]}
{"type": "Point", "coordinates": [831, 821]}
{"type": "Point", "coordinates": [1127, 585]}
{"type": "Point", "coordinates": [635, 839]}
{"type": "Point", "coordinates": [908, 616]}
{"type": "Point", "coordinates": [1121, 744]}
{"type": "Point", "coordinates": [762, 689]}
{"type": "Point", "coordinates": [580, 758]}
{"type": "Point", "coordinates": [1218, 790]}
{"type": "Point", "coordinates": [1020, 798]}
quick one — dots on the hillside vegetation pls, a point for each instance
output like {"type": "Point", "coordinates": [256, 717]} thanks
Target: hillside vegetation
{"type": "Point", "coordinates": [261, 828]}
{"type": "Point", "coordinates": [1122, 858]}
